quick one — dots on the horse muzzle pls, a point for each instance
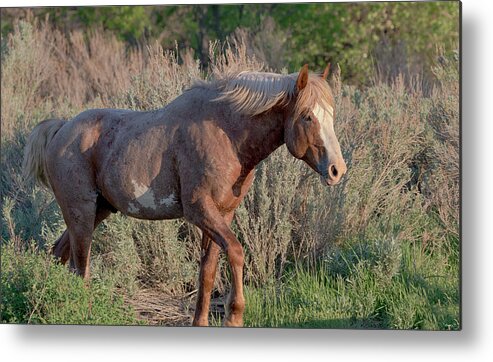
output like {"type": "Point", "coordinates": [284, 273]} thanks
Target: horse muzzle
{"type": "Point", "coordinates": [334, 174]}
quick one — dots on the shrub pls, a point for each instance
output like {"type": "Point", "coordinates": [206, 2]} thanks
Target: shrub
{"type": "Point", "coordinates": [150, 253]}
{"type": "Point", "coordinates": [35, 290]}
{"type": "Point", "coordinates": [443, 180]}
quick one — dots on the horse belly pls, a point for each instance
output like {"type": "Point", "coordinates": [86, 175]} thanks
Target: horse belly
{"type": "Point", "coordinates": [148, 202]}
{"type": "Point", "coordinates": [150, 205]}
{"type": "Point", "coordinates": [137, 173]}
{"type": "Point", "coordinates": [135, 194]}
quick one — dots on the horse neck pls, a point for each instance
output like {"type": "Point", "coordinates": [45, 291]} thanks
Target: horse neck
{"type": "Point", "coordinates": [259, 137]}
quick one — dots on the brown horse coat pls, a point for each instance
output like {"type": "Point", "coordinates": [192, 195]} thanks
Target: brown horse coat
{"type": "Point", "coordinates": [194, 158]}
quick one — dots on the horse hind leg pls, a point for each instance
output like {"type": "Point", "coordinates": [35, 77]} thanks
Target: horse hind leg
{"type": "Point", "coordinates": [80, 219]}
{"type": "Point", "coordinates": [61, 248]}
{"type": "Point", "coordinates": [82, 211]}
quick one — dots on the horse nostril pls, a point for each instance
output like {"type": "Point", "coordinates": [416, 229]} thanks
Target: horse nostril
{"type": "Point", "coordinates": [333, 171]}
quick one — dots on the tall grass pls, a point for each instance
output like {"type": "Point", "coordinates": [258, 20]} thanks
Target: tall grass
{"type": "Point", "coordinates": [37, 290]}
{"type": "Point", "coordinates": [358, 292]}
{"type": "Point", "coordinates": [398, 203]}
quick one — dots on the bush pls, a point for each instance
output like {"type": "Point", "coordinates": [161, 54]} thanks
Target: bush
{"type": "Point", "coordinates": [149, 253]}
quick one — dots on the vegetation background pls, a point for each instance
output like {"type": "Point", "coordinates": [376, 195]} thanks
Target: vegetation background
{"type": "Point", "coordinates": [381, 250]}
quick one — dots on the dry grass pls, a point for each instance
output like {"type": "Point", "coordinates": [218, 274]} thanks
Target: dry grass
{"type": "Point", "coordinates": [157, 308]}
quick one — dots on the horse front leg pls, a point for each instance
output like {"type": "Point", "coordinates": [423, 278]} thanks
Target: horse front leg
{"type": "Point", "coordinates": [235, 304]}
{"type": "Point", "coordinates": [215, 226]}
{"type": "Point", "coordinates": [207, 275]}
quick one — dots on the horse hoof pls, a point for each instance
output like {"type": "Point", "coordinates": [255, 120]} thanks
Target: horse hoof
{"type": "Point", "coordinates": [200, 323]}
{"type": "Point", "coordinates": [233, 323]}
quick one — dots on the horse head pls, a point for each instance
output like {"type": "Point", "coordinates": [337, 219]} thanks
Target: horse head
{"type": "Point", "coordinates": [309, 130]}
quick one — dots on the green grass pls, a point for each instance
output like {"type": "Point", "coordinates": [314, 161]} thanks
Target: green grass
{"type": "Point", "coordinates": [37, 290]}
{"type": "Point", "coordinates": [422, 293]}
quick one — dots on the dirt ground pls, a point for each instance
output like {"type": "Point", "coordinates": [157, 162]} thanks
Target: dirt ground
{"type": "Point", "coordinates": [161, 309]}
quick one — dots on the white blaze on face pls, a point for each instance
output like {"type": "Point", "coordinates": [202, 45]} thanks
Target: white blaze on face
{"type": "Point", "coordinates": [325, 116]}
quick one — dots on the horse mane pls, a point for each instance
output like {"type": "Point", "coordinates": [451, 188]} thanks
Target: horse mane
{"type": "Point", "coordinates": [253, 93]}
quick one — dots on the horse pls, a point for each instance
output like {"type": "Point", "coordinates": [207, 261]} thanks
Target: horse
{"type": "Point", "coordinates": [193, 159]}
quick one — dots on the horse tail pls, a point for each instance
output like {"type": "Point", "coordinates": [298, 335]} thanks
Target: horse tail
{"type": "Point", "coordinates": [34, 164]}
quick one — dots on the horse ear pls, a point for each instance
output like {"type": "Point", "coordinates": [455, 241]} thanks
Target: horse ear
{"type": "Point", "coordinates": [326, 72]}
{"type": "Point", "coordinates": [302, 78]}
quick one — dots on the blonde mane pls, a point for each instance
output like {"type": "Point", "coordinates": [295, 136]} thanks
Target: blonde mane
{"type": "Point", "coordinates": [317, 91]}
{"type": "Point", "coordinates": [253, 93]}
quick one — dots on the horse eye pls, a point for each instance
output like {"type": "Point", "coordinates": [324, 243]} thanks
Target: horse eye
{"type": "Point", "coordinates": [308, 119]}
